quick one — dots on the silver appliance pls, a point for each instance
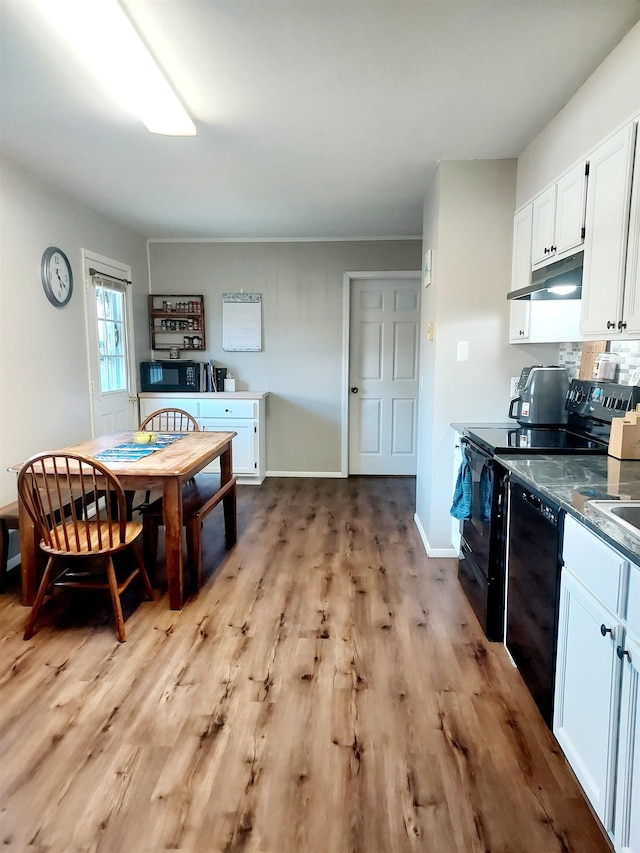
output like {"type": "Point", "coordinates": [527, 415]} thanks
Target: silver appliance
{"type": "Point", "coordinates": [542, 393]}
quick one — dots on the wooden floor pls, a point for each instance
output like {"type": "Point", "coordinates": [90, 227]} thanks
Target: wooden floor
{"type": "Point", "coordinates": [328, 690]}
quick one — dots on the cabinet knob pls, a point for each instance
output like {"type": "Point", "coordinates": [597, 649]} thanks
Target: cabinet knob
{"type": "Point", "coordinates": [622, 652]}
{"type": "Point", "coordinates": [611, 324]}
{"type": "Point", "coordinates": [553, 248]}
{"type": "Point", "coordinates": [621, 325]}
{"type": "Point", "coordinates": [604, 630]}
{"type": "Point", "coordinates": [354, 389]}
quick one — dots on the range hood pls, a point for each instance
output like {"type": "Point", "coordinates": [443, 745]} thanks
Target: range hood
{"type": "Point", "coordinates": [560, 280]}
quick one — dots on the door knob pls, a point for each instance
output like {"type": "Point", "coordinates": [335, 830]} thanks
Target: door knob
{"type": "Point", "coordinates": [354, 389]}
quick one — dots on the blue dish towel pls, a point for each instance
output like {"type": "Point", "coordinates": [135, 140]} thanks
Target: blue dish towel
{"type": "Point", "coordinates": [486, 488]}
{"type": "Point", "coordinates": [463, 492]}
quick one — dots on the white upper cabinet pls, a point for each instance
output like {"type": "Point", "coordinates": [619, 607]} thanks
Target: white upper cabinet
{"type": "Point", "coordinates": [544, 222]}
{"type": "Point", "coordinates": [607, 228]}
{"type": "Point", "coordinates": [520, 274]}
{"type": "Point", "coordinates": [559, 217]}
{"type": "Point", "coordinates": [571, 201]}
{"type": "Point", "coordinates": [631, 306]}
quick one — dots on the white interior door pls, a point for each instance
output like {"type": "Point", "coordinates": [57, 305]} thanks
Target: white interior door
{"type": "Point", "coordinates": [383, 375]}
{"type": "Point", "coordinates": [109, 331]}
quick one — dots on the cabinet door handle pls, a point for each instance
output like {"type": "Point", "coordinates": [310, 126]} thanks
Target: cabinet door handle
{"type": "Point", "coordinates": [611, 324]}
{"type": "Point", "coordinates": [604, 630]}
{"type": "Point", "coordinates": [553, 248]}
{"type": "Point", "coordinates": [622, 652]}
{"type": "Point", "coordinates": [621, 325]}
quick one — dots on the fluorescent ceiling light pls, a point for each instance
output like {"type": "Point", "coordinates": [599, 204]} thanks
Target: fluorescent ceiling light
{"type": "Point", "coordinates": [103, 37]}
{"type": "Point", "coordinates": [563, 289]}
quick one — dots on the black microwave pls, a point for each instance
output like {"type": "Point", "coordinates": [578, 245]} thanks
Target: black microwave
{"type": "Point", "coordinates": [170, 376]}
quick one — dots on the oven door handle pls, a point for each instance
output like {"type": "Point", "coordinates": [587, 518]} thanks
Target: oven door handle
{"type": "Point", "coordinates": [467, 444]}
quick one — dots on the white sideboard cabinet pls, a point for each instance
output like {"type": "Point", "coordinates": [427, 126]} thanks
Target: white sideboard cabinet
{"type": "Point", "coordinates": [242, 412]}
{"type": "Point", "coordinates": [596, 719]}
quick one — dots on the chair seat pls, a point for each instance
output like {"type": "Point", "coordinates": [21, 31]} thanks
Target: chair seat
{"type": "Point", "coordinates": [92, 538]}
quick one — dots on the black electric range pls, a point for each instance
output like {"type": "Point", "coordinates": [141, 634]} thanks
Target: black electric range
{"type": "Point", "coordinates": [509, 439]}
{"type": "Point", "coordinates": [590, 407]}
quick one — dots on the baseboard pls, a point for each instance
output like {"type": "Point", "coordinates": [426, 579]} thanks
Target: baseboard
{"type": "Point", "coordinates": [433, 552]}
{"type": "Point", "coordinates": [326, 474]}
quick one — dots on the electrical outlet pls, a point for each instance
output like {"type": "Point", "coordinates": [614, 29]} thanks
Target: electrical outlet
{"type": "Point", "coordinates": [513, 382]}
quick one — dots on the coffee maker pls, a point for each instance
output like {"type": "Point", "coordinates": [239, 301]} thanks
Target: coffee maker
{"type": "Point", "coordinates": [542, 393]}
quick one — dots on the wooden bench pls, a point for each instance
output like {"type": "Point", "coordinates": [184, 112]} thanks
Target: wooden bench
{"type": "Point", "coordinates": [8, 521]}
{"type": "Point", "coordinates": [199, 497]}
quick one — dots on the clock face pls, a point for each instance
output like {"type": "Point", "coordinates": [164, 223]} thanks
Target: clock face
{"type": "Point", "coordinates": [57, 278]}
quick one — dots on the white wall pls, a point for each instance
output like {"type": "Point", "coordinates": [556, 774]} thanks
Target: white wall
{"type": "Point", "coordinates": [43, 370]}
{"type": "Point", "coordinates": [608, 98]}
{"type": "Point", "coordinates": [468, 222]}
{"type": "Point", "coordinates": [301, 362]}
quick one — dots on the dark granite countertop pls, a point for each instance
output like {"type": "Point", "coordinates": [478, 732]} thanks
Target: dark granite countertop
{"type": "Point", "coordinates": [571, 481]}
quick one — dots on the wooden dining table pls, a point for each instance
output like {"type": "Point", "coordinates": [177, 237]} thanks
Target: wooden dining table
{"type": "Point", "coordinates": [166, 469]}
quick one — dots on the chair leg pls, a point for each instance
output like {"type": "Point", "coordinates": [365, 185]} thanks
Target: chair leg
{"type": "Point", "coordinates": [143, 572]}
{"type": "Point", "coordinates": [115, 600]}
{"type": "Point", "coordinates": [150, 536]}
{"type": "Point", "coordinates": [37, 604]}
{"type": "Point", "coordinates": [194, 550]}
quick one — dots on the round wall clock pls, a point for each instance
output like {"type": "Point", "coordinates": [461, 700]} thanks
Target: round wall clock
{"type": "Point", "coordinates": [57, 278]}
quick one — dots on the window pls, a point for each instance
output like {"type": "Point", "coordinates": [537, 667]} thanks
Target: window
{"type": "Point", "coordinates": [112, 344]}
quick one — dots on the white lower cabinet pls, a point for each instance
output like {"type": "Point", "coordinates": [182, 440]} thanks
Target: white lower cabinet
{"type": "Point", "coordinates": [597, 693]}
{"type": "Point", "coordinates": [586, 698]}
{"type": "Point", "coordinates": [456, 524]}
{"type": "Point", "coordinates": [241, 413]}
{"type": "Point", "coordinates": [627, 815]}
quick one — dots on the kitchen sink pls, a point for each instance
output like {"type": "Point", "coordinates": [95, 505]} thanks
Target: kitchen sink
{"type": "Point", "coordinates": [624, 513]}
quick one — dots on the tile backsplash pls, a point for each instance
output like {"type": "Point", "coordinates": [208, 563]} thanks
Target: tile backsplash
{"type": "Point", "coordinates": [627, 351]}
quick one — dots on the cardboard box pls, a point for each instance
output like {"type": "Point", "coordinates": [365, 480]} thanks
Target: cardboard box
{"type": "Point", "coordinates": [624, 441]}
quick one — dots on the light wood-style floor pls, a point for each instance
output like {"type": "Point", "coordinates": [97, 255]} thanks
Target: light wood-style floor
{"type": "Point", "coordinates": [327, 691]}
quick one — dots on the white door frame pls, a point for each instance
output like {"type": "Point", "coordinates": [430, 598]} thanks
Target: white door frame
{"type": "Point", "coordinates": [89, 257]}
{"type": "Point", "coordinates": [348, 279]}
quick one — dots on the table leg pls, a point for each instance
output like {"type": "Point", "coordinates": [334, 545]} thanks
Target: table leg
{"type": "Point", "coordinates": [172, 508]}
{"type": "Point", "coordinates": [229, 500]}
{"type": "Point", "coordinates": [29, 543]}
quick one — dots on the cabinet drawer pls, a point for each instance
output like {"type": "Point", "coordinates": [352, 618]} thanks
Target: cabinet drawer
{"type": "Point", "coordinates": [597, 565]}
{"type": "Point", "coordinates": [633, 607]}
{"type": "Point", "coordinates": [227, 408]}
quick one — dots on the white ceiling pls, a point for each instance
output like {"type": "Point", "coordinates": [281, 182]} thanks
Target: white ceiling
{"type": "Point", "coordinates": [315, 118]}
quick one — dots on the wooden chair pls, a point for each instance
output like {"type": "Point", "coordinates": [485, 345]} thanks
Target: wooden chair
{"type": "Point", "coordinates": [162, 420]}
{"type": "Point", "coordinates": [91, 534]}
{"type": "Point", "coordinates": [170, 420]}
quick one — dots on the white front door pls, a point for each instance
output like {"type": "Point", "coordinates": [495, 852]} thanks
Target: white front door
{"type": "Point", "coordinates": [109, 331]}
{"type": "Point", "coordinates": [383, 375]}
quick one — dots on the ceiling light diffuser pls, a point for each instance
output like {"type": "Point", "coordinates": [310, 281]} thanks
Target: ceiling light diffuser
{"type": "Point", "coordinates": [103, 37]}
